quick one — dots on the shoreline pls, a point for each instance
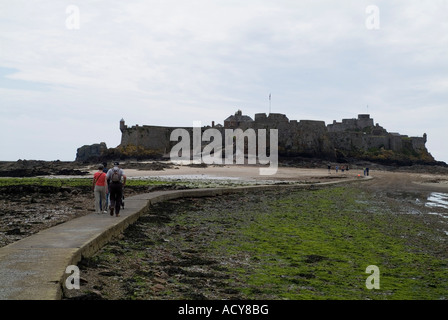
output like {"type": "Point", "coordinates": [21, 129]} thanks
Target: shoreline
{"type": "Point", "coordinates": [27, 210]}
{"type": "Point", "coordinates": [403, 194]}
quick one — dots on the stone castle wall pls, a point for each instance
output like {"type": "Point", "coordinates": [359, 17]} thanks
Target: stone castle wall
{"type": "Point", "coordinates": [304, 137]}
{"type": "Point", "coordinates": [149, 137]}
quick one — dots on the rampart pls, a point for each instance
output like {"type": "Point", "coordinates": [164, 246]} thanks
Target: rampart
{"type": "Point", "coordinates": [355, 137]}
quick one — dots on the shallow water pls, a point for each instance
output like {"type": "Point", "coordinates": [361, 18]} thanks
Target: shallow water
{"type": "Point", "coordinates": [209, 180]}
{"type": "Point", "coordinates": [437, 200]}
{"type": "Point", "coordinates": [195, 177]}
{"type": "Point", "coordinates": [430, 203]}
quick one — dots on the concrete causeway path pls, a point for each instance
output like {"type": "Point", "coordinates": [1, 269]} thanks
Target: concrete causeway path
{"type": "Point", "coordinates": [34, 268]}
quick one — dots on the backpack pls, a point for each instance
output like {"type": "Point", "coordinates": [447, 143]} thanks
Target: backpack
{"type": "Point", "coordinates": [116, 175]}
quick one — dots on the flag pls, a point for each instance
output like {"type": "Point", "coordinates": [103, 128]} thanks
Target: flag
{"type": "Point", "coordinates": [269, 97]}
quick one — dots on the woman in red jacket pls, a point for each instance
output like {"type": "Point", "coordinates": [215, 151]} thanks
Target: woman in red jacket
{"type": "Point", "coordinates": [100, 189]}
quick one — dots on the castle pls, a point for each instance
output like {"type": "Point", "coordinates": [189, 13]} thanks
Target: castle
{"type": "Point", "coordinates": [356, 138]}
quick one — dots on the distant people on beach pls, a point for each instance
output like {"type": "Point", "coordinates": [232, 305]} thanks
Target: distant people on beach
{"type": "Point", "coordinates": [116, 181]}
{"type": "Point", "coordinates": [342, 168]}
{"type": "Point", "coordinates": [366, 171]}
{"type": "Point", "coordinates": [100, 189]}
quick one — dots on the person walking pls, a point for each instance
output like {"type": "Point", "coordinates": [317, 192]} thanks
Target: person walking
{"type": "Point", "coordinates": [117, 180]}
{"type": "Point", "coordinates": [99, 189]}
{"type": "Point", "coordinates": [105, 206]}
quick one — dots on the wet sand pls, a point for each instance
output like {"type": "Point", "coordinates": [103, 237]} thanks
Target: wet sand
{"type": "Point", "coordinates": [382, 179]}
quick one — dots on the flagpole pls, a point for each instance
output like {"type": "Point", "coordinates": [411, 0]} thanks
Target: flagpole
{"type": "Point", "coordinates": [269, 103]}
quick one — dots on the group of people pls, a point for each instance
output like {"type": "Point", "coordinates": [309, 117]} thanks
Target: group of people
{"type": "Point", "coordinates": [108, 187]}
{"type": "Point", "coordinates": [345, 168]}
{"type": "Point", "coordinates": [337, 168]}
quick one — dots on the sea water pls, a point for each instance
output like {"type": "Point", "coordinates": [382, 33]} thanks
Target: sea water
{"type": "Point", "coordinates": [437, 200]}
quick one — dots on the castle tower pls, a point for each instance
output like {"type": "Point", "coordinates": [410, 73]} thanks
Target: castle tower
{"type": "Point", "coordinates": [122, 125]}
{"type": "Point", "coordinates": [364, 121]}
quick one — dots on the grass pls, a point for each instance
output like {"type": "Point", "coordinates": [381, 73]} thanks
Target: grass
{"type": "Point", "coordinates": [87, 182]}
{"type": "Point", "coordinates": [70, 182]}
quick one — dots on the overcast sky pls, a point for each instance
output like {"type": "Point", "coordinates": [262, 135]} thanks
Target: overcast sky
{"type": "Point", "coordinates": [70, 70]}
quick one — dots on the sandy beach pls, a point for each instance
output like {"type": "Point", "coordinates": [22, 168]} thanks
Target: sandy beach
{"type": "Point", "coordinates": [382, 178]}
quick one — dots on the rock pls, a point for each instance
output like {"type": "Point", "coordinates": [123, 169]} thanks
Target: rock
{"type": "Point", "coordinates": [158, 287]}
{"type": "Point", "coordinates": [108, 273]}
{"type": "Point", "coordinates": [15, 231]}
{"type": "Point", "coordinates": [159, 280]}
{"type": "Point", "coordinates": [90, 152]}
{"type": "Point", "coordinates": [83, 281]}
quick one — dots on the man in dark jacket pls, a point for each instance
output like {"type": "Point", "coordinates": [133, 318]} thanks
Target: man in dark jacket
{"type": "Point", "coordinates": [116, 180]}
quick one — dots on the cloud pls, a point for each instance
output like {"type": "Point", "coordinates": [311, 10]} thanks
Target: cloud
{"type": "Point", "coordinates": [173, 62]}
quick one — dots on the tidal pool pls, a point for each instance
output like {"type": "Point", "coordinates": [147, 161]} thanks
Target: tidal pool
{"type": "Point", "coordinates": [437, 200]}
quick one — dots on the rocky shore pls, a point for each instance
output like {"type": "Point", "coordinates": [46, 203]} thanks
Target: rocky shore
{"type": "Point", "coordinates": [28, 208]}
{"type": "Point", "coordinates": [308, 244]}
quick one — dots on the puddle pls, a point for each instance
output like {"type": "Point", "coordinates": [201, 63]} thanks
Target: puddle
{"type": "Point", "coordinates": [209, 179]}
{"type": "Point", "coordinates": [185, 177]}
{"type": "Point", "coordinates": [195, 177]}
{"type": "Point", "coordinates": [437, 200]}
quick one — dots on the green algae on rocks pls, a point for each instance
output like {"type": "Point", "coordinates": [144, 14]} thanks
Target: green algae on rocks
{"type": "Point", "coordinates": [301, 244]}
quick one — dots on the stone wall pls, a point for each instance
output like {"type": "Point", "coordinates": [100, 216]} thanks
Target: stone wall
{"type": "Point", "coordinates": [296, 138]}
{"type": "Point", "coordinates": [149, 137]}
{"type": "Point", "coordinates": [363, 121]}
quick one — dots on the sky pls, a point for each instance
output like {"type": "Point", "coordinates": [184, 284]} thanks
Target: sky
{"type": "Point", "coordinates": [70, 70]}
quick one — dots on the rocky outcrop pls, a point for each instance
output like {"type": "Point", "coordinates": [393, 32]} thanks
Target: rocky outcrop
{"type": "Point", "coordinates": [91, 152]}
{"type": "Point", "coordinates": [33, 168]}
